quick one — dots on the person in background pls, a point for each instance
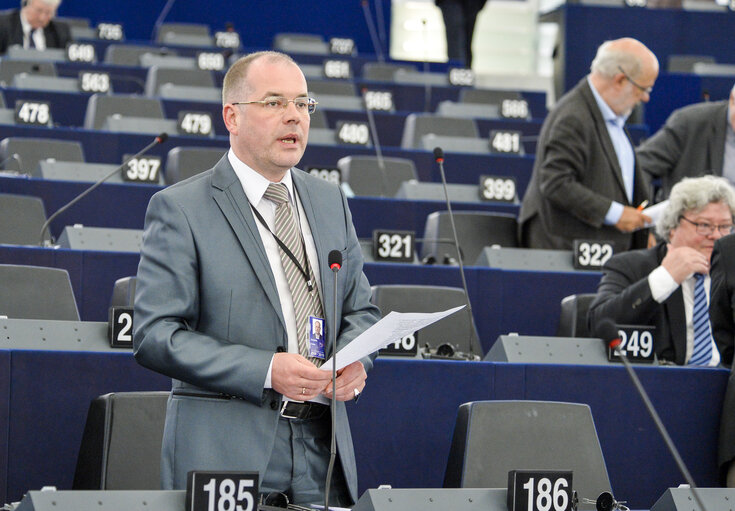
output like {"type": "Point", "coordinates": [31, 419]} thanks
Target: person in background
{"type": "Point", "coordinates": [722, 315]}
{"type": "Point", "coordinates": [667, 286]}
{"type": "Point", "coordinates": [696, 140]}
{"type": "Point", "coordinates": [34, 26]}
{"type": "Point", "coordinates": [459, 21]}
{"type": "Point", "coordinates": [586, 182]}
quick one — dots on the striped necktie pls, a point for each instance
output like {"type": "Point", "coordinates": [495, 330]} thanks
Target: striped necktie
{"type": "Point", "coordinates": [702, 351]}
{"type": "Point", "coordinates": [31, 42]}
{"type": "Point", "coordinates": [306, 303]}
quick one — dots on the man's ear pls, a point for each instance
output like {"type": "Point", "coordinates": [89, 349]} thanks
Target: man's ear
{"type": "Point", "coordinates": [231, 117]}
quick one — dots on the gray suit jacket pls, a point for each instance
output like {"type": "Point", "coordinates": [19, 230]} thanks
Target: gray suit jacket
{"type": "Point", "coordinates": [207, 314]}
{"type": "Point", "coordinates": [690, 144]}
{"type": "Point", "coordinates": [576, 176]}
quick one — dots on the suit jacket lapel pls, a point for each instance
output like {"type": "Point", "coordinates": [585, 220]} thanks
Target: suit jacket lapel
{"type": "Point", "coordinates": [717, 141]}
{"type": "Point", "coordinates": [603, 135]}
{"type": "Point", "coordinates": [313, 214]}
{"type": "Point", "coordinates": [227, 192]}
{"type": "Point", "coordinates": [674, 307]}
{"type": "Point", "coordinates": [16, 28]}
{"type": "Point", "coordinates": [675, 317]}
{"type": "Point", "coordinates": [311, 217]}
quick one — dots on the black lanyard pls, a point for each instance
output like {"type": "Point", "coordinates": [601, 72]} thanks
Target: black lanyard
{"type": "Point", "coordinates": [305, 272]}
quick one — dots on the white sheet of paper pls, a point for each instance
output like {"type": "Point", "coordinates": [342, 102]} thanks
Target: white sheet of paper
{"type": "Point", "coordinates": [655, 211]}
{"type": "Point", "coordinates": [391, 328]}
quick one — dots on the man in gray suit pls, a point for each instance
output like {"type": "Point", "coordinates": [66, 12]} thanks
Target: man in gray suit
{"type": "Point", "coordinates": [585, 182]}
{"type": "Point", "coordinates": [696, 140]}
{"type": "Point", "coordinates": [215, 310]}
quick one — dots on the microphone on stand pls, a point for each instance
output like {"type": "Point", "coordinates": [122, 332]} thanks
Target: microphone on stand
{"type": "Point", "coordinates": [376, 143]}
{"type": "Point", "coordinates": [335, 264]}
{"type": "Point", "coordinates": [439, 157]}
{"type": "Point", "coordinates": [161, 17]}
{"type": "Point", "coordinates": [160, 139]}
{"type": "Point", "coordinates": [371, 29]}
{"type": "Point", "coordinates": [608, 332]}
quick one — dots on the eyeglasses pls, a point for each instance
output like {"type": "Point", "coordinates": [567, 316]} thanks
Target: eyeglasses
{"type": "Point", "coordinates": [706, 229]}
{"type": "Point", "coordinates": [647, 90]}
{"type": "Point", "coordinates": [277, 103]}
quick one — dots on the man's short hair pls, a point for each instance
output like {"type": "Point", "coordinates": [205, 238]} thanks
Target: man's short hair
{"type": "Point", "coordinates": [694, 194]}
{"type": "Point", "coordinates": [50, 3]}
{"type": "Point", "coordinates": [608, 61]}
{"type": "Point", "coordinates": [235, 81]}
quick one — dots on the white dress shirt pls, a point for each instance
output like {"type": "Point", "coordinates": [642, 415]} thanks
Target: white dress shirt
{"type": "Point", "coordinates": [662, 284]}
{"type": "Point", "coordinates": [623, 150]}
{"type": "Point", "coordinates": [39, 38]}
{"type": "Point", "coordinates": [255, 185]}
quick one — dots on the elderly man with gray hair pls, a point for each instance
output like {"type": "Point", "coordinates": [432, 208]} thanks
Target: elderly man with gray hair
{"type": "Point", "coordinates": [586, 182]}
{"type": "Point", "coordinates": [33, 26]}
{"type": "Point", "coordinates": [667, 286]}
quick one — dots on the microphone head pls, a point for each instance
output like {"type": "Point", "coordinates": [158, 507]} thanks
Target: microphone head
{"type": "Point", "coordinates": [438, 154]}
{"type": "Point", "coordinates": [162, 137]}
{"type": "Point", "coordinates": [608, 332]}
{"type": "Point", "coordinates": [335, 260]}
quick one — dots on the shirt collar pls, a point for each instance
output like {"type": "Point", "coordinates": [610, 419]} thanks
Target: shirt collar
{"type": "Point", "coordinates": [607, 113]}
{"type": "Point", "coordinates": [253, 183]}
{"type": "Point", "coordinates": [27, 30]}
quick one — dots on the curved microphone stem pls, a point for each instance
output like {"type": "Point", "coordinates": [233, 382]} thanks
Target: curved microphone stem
{"type": "Point", "coordinates": [661, 428]}
{"type": "Point", "coordinates": [371, 29]}
{"type": "Point", "coordinates": [380, 21]}
{"type": "Point", "coordinates": [158, 140]}
{"type": "Point", "coordinates": [161, 17]}
{"type": "Point", "coordinates": [427, 85]}
{"type": "Point", "coordinates": [376, 143]}
{"type": "Point", "coordinates": [335, 264]}
{"type": "Point", "coordinates": [439, 156]}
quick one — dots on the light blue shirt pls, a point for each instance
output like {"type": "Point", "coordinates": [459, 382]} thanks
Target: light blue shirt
{"type": "Point", "coordinates": [623, 150]}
